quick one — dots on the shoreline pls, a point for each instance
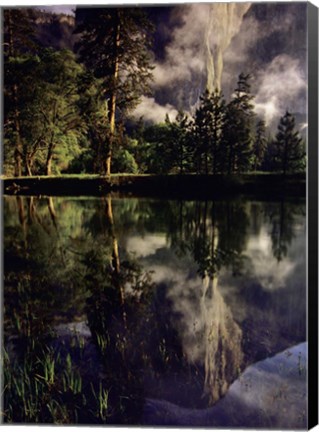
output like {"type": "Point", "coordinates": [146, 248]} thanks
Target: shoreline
{"type": "Point", "coordinates": [162, 186]}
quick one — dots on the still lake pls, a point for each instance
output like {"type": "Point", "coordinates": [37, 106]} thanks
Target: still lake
{"type": "Point", "coordinates": [155, 312]}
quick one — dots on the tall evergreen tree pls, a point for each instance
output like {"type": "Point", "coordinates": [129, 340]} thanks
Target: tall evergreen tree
{"type": "Point", "coordinates": [93, 110]}
{"type": "Point", "coordinates": [260, 143]}
{"type": "Point", "coordinates": [115, 46]}
{"type": "Point", "coordinates": [207, 132]}
{"type": "Point", "coordinates": [289, 149]}
{"type": "Point", "coordinates": [268, 159]}
{"type": "Point", "coordinates": [238, 133]}
{"type": "Point", "coordinates": [202, 131]}
{"type": "Point", "coordinates": [159, 149]}
{"type": "Point", "coordinates": [218, 107]}
{"type": "Point", "coordinates": [180, 141]}
{"type": "Point", "coordinates": [141, 149]}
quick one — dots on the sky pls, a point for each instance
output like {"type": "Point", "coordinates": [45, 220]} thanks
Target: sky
{"type": "Point", "coordinates": [210, 44]}
{"type": "Point", "coordinates": [265, 40]}
{"type": "Point", "coordinates": [58, 9]}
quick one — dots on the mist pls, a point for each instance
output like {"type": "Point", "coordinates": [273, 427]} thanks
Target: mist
{"type": "Point", "coordinates": [282, 86]}
{"type": "Point", "coordinates": [211, 44]}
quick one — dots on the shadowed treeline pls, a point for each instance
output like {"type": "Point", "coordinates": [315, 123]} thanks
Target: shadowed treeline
{"type": "Point", "coordinates": [266, 186]}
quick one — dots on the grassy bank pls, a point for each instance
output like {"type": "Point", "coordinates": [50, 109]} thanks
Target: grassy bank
{"type": "Point", "coordinates": [166, 186]}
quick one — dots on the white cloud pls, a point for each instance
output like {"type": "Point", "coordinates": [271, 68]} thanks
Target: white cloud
{"type": "Point", "coordinates": [280, 86]}
{"type": "Point", "coordinates": [270, 273]}
{"type": "Point", "coordinates": [269, 109]}
{"type": "Point", "coordinates": [150, 110]}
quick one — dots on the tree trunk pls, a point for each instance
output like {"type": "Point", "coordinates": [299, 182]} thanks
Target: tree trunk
{"type": "Point", "coordinates": [214, 152]}
{"type": "Point", "coordinates": [230, 161]}
{"type": "Point", "coordinates": [206, 162]}
{"type": "Point", "coordinates": [115, 251]}
{"type": "Point", "coordinates": [18, 145]}
{"type": "Point", "coordinates": [115, 258]}
{"type": "Point", "coordinates": [181, 157]}
{"type": "Point", "coordinates": [22, 219]}
{"type": "Point", "coordinates": [18, 151]}
{"type": "Point", "coordinates": [52, 212]}
{"type": "Point", "coordinates": [48, 164]}
{"type": "Point", "coordinates": [112, 105]}
{"type": "Point", "coordinates": [28, 165]}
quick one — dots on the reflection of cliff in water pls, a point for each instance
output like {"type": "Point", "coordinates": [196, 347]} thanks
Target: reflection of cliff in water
{"type": "Point", "coordinates": [236, 317]}
{"type": "Point", "coordinates": [210, 338]}
{"type": "Point", "coordinates": [222, 341]}
{"type": "Point", "coordinates": [213, 339]}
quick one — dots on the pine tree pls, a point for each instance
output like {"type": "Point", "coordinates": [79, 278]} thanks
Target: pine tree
{"type": "Point", "coordinates": [260, 143]}
{"type": "Point", "coordinates": [289, 148]}
{"type": "Point", "coordinates": [218, 107]}
{"type": "Point", "coordinates": [207, 132]}
{"type": "Point", "coordinates": [202, 133]}
{"type": "Point", "coordinates": [115, 46]}
{"type": "Point", "coordinates": [93, 110]}
{"type": "Point", "coordinates": [179, 138]}
{"type": "Point", "coordinates": [238, 134]}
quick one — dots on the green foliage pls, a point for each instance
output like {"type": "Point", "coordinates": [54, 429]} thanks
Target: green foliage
{"type": "Point", "coordinates": [170, 140]}
{"type": "Point", "coordinates": [94, 112]}
{"type": "Point", "coordinates": [44, 387]}
{"type": "Point", "coordinates": [124, 162]}
{"type": "Point", "coordinates": [180, 138]}
{"type": "Point", "coordinates": [49, 123]}
{"type": "Point", "coordinates": [157, 138]}
{"type": "Point", "coordinates": [98, 50]}
{"type": "Point", "coordinates": [237, 132]}
{"type": "Point", "coordinates": [60, 73]}
{"type": "Point", "coordinates": [207, 133]}
{"type": "Point", "coordinates": [115, 45]}
{"type": "Point", "coordinates": [288, 147]}
{"type": "Point", "coordinates": [17, 69]}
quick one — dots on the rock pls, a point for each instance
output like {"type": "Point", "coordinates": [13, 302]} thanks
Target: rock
{"type": "Point", "coordinates": [270, 394]}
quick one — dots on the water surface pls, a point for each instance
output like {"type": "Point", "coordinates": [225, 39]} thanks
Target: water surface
{"type": "Point", "coordinates": [156, 302]}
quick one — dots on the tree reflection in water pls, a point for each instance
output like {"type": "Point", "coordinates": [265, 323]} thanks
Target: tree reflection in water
{"type": "Point", "coordinates": [219, 335]}
{"type": "Point", "coordinates": [183, 338]}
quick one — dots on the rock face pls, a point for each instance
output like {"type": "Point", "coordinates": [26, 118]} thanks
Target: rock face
{"type": "Point", "coordinates": [271, 394]}
{"type": "Point", "coordinates": [55, 30]}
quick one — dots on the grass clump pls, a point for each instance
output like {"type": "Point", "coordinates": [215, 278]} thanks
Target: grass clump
{"type": "Point", "coordinates": [47, 388]}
